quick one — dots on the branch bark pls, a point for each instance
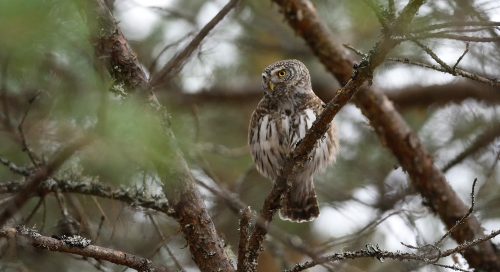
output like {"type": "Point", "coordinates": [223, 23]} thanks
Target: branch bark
{"type": "Point", "coordinates": [394, 133]}
{"type": "Point", "coordinates": [40, 175]}
{"type": "Point", "coordinates": [364, 72]}
{"type": "Point", "coordinates": [92, 188]}
{"type": "Point", "coordinates": [206, 247]}
{"type": "Point", "coordinates": [81, 246]}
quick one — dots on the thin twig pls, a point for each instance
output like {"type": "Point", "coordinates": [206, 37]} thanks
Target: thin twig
{"type": "Point", "coordinates": [14, 168]}
{"type": "Point", "coordinates": [42, 174]}
{"type": "Point", "coordinates": [164, 240]}
{"type": "Point", "coordinates": [456, 24]}
{"type": "Point", "coordinates": [462, 220]}
{"type": "Point", "coordinates": [461, 56]}
{"type": "Point", "coordinates": [434, 56]}
{"type": "Point", "coordinates": [175, 65]}
{"type": "Point", "coordinates": [481, 141]}
{"type": "Point", "coordinates": [448, 36]}
{"type": "Point", "coordinates": [459, 72]}
{"type": "Point", "coordinates": [34, 159]}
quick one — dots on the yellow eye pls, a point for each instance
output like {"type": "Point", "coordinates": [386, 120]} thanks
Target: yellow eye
{"type": "Point", "coordinates": [282, 73]}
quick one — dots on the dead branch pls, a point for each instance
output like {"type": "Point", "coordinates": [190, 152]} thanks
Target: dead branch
{"type": "Point", "coordinates": [81, 246]}
{"type": "Point", "coordinates": [394, 133]}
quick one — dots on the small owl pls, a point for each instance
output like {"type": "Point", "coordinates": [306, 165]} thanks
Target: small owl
{"type": "Point", "coordinates": [280, 121]}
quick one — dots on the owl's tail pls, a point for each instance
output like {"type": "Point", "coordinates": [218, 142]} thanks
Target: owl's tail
{"type": "Point", "coordinates": [299, 204]}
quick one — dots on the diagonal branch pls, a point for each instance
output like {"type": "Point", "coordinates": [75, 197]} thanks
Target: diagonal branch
{"type": "Point", "coordinates": [293, 164]}
{"type": "Point", "coordinates": [205, 245]}
{"type": "Point", "coordinates": [175, 64]}
{"type": "Point", "coordinates": [481, 141]}
{"type": "Point", "coordinates": [395, 134]}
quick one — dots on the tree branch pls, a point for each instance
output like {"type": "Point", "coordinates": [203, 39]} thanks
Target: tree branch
{"type": "Point", "coordinates": [81, 246]}
{"type": "Point", "coordinates": [41, 174]}
{"type": "Point", "coordinates": [175, 64]}
{"type": "Point", "coordinates": [294, 163]}
{"type": "Point", "coordinates": [130, 196]}
{"type": "Point", "coordinates": [206, 247]}
{"type": "Point", "coordinates": [394, 133]}
{"type": "Point", "coordinates": [481, 141]}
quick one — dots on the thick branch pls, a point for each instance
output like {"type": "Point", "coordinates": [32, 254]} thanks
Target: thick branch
{"type": "Point", "coordinates": [206, 247]}
{"type": "Point", "coordinates": [404, 98]}
{"type": "Point", "coordinates": [395, 134]}
{"type": "Point", "coordinates": [438, 95]}
{"type": "Point", "coordinates": [81, 246]}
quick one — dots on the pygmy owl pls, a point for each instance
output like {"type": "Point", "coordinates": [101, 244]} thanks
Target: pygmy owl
{"type": "Point", "coordinates": [280, 121]}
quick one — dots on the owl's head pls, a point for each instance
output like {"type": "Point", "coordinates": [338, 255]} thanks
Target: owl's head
{"type": "Point", "coordinates": [285, 76]}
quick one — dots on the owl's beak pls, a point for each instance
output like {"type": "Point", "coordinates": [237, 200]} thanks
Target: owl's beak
{"type": "Point", "coordinates": [271, 86]}
{"type": "Point", "coordinates": [267, 82]}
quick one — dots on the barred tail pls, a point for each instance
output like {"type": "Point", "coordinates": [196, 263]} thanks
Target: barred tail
{"type": "Point", "coordinates": [299, 203]}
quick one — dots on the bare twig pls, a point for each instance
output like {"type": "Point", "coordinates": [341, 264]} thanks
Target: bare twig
{"type": "Point", "coordinates": [461, 221]}
{"type": "Point", "coordinates": [457, 24]}
{"type": "Point", "coordinates": [6, 118]}
{"type": "Point", "coordinates": [81, 246]}
{"type": "Point", "coordinates": [42, 174]}
{"type": "Point", "coordinates": [425, 256]}
{"type": "Point", "coordinates": [433, 55]}
{"type": "Point", "coordinates": [177, 62]}
{"type": "Point", "coordinates": [448, 36]}
{"type": "Point", "coordinates": [461, 57]}
{"type": "Point", "coordinates": [482, 140]}
{"type": "Point", "coordinates": [164, 241]}
{"type": "Point", "coordinates": [152, 66]}
{"type": "Point", "coordinates": [459, 72]}
{"type": "Point", "coordinates": [14, 168]}
{"type": "Point", "coordinates": [34, 159]}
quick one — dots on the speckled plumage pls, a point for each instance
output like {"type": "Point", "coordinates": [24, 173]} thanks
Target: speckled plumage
{"type": "Point", "coordinates": [281, 119]}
